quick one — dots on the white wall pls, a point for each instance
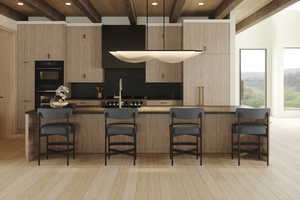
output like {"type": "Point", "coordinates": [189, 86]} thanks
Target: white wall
{"type": "Point", "coordinates": [275, 33]}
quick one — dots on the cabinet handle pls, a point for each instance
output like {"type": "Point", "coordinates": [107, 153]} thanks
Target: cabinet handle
{"type": "Point", "coordinates": [1, 97]}
{"type": "Point", "coordinates": [201, 95]}
{"type": "Point", "coordinates": [163, 75]}
{"type": "Point", "coordinates": [48, 56]}
{"type": "Point", "coordinates": [84, 36]}
{"type": "Point", "coordinates": [84, 76]}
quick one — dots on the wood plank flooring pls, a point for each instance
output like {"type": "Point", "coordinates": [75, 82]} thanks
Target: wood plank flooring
{"type": "Point", "coordinates": [153, 178]}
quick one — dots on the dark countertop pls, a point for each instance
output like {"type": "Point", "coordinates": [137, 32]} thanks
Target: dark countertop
{"type": "Point", "coordinates": [155, 109]}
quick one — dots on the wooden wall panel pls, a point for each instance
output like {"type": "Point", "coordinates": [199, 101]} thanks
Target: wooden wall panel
{"type": "Point", "coordinates": [7, 83]}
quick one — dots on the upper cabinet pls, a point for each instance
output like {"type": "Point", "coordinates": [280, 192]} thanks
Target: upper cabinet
{"type": "Point", "coordinates": [43, 41]}
{"type": "Point", "coordinates": [157, 71]}
{"type": "Point", "coordinates": [206, 78]}
{"type": "Point", "coordinates": [214, 36]}
{"type": "Point", "coordinates": [84, 62]}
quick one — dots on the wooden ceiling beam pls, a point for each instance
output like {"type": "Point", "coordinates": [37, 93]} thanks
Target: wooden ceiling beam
{"type": "Point", "coordinates": [176, 10]}
{"type": "Point", "coordinates": [46, 9]}
{"type": "Point", "coordinates": [225, 8]}
{"type": "Point", "coordinates": [132, 12]}
{"type": "Point", "coordinates": [89, 10]}
{"type": "Point", "coordinates": [11, 13]}
{"type": "Point", "coordinates": [270, 9]}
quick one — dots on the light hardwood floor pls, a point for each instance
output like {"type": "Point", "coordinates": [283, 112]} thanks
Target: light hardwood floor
{"type": "Point", "coordinates": [153, 177]}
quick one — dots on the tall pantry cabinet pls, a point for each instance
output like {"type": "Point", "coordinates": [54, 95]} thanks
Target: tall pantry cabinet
{"type": "Point", "coordinates": [206, 78]}
{"type": "Point", "coordinates": [35, 42]}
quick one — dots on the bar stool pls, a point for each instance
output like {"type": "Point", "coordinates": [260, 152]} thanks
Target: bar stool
{"type": "Point", "coordinates": [250, 121]}
{"type": "Point", "coordinates": [193, 129]}
{"type": "Point", "coordinates": [122, 128]}
{"type": "Point", "coordinates": [63, 128]}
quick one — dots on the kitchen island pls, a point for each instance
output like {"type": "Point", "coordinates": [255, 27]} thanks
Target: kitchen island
{"type": "Point", "coordinates": [152, 130]}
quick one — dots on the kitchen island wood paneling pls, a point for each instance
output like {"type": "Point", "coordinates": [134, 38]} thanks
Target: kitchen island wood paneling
{"type": "Point", "coordinates": [153, 130]}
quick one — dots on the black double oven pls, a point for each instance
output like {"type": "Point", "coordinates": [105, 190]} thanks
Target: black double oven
{"type": "Point", "coordinates": [49, 75]}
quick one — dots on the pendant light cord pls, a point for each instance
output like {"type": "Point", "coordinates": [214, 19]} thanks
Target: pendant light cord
{"type": "Point", "coordinates": [164, 24]}
{"type": "Point", "coordinates": [147, 21]}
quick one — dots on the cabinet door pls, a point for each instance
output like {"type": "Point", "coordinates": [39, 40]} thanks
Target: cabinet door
{"type": "Point", "coordinates": [209, 71]}
{"type": "Point", "coordinates": [26, 90]}
{"type": "Point", "coordinates": [157, 71]}
{"type": "Point", "coordinates": [56, 41]}
{"type": "Point", "coordinates": [215, 36]}
{"type": "Point", "coordinates": [91, 51]}
{"type": "Point", "coordinates": [84, 54]}
{"type": "Point", "coordinates": [74, 45]}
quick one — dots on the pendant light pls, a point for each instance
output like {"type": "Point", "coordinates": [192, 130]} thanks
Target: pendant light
{"type": "Point", "coordinates": [167, 56]}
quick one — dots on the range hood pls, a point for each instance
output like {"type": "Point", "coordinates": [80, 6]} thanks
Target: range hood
{"type": "Point", "coordinates": [167, 56]}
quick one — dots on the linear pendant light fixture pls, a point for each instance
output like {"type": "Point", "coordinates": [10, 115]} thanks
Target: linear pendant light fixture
{"type": "Point", "coordinates": [167, 56]}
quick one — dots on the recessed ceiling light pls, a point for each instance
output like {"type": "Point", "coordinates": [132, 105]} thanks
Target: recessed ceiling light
{"type": "Point", "coordinates": [201, 4]}
{"type": "Point", "coordinates": [20, 4]}
{"type": "Point", "coordinates": [68, 3]}
{"type": "Point", "coordinates": [154, 3]}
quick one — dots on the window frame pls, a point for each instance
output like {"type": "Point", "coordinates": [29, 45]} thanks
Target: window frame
{"type": "Point", "coordinates": [266, 73]}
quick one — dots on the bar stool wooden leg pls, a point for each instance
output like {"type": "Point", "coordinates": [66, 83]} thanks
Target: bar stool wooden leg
{"type": "Point", "coordinates": [259, 151]}
{"type": "Point", "coordinates": [74, 145]}
{"type": "Point", "coordinates": [268, 151]}
{"type": "Point", "coordinates": [172, 149]}
{"type": "Point", "coordinates": [197, 147]}
{"type": "Point", "coordinates": [39, 151]}
{"type": "Point", "coordinates": [239, 149]}
{"type": "Point", "coordinates": [232, 145]}
{"type": "Point", "coordinates": [105, 150]}
{"type": "Point", "coordinates": [47, 147]}
{"type": "Point", "coordinates": [68, 149]}
{"type": "Point", "coordinates": [201, 150]}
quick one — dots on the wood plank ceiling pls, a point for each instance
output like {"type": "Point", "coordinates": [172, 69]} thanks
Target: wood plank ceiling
{"type": "Point", "coordinates": [95, 9]}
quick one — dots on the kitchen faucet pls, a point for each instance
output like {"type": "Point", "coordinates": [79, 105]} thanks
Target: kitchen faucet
{"type": "Point", "coordinates": [120, 93]}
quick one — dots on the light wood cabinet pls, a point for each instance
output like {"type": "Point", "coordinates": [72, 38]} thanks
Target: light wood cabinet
{"type": "Point", "coordinates": [206, 78]}
{"type": "Point", "coordinates": [7, 83]}
{"type": "Point", "coordinates": [26, 92]}
{"type": "Point", "coordinates": [84, 62]}
{"type": "Point", "coordinates": [43, 41]}
{"type": "Point", "coordinates": [157, 71]}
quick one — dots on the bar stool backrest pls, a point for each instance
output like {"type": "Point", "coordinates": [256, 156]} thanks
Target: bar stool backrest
{"type": "Point", "coordinates": [55, 113]}
{"type": "Point", "coordinates": [120, 113]}
{"type": "Point", "coordinates": [252, 113]}
{"type": "Point", "coordinates": [186, 113]}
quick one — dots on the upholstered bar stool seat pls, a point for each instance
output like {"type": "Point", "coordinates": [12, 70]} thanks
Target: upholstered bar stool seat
{"type": "Point", "coordinates": [56, 128]}
{"type": "Point", "coordinates": [186, 129]}
{"type": "Point", "coordinates": [250, 129]}
{"type": "Point", "coordinates": [120, 129]}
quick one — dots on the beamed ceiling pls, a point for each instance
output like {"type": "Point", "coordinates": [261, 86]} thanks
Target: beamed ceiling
{"type": "Point", "coordinates": [248, 12]}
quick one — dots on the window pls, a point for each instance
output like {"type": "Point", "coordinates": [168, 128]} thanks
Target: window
{"type": "Point", "coordinates": [292, 78]}
{"type": "Point", "coordinates": [253, 77]}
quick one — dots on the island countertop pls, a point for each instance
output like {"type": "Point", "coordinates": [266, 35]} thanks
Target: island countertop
{"type": "Point", "coordinates": [155, 109]}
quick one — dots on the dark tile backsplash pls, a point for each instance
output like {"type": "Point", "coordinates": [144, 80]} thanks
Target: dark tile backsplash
{"type": "Point", "coordinates": [134, 86]}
